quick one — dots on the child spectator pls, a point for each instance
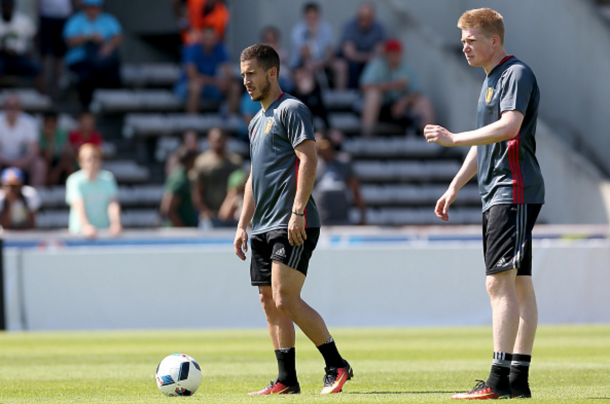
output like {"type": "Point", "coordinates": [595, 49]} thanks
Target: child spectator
{"type": "Point", "coordinates": [92, 195]}
{"type": "Point", "coordinates": [19, 203]}
{"type": "Point", "coordinates": [85, 132]}
{"type": "Point", "coordinates": [56, 150]}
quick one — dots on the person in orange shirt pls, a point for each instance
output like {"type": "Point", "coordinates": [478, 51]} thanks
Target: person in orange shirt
{"type": "Point", "coordinates": [195, 15]}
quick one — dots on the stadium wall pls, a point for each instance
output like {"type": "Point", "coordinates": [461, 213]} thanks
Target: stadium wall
{"type": "Point", "coordinates": [359, 284]}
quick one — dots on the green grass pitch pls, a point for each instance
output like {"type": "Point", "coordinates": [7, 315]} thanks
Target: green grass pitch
{"type": "Point", "coordinates": [571, 364]}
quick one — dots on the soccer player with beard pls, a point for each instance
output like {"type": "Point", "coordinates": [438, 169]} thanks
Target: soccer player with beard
{"type": "Point", "coordinates": [285, 221]}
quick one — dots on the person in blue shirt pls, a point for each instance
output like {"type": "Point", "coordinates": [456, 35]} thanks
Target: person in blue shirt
{"type": "Point", "coordinates": [93, 38]}
{"type": "Point", "coordinates": [207, 74]}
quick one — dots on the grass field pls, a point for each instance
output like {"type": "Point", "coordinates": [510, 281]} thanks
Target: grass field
{"type": "Point", "coordinates": [571, 364]}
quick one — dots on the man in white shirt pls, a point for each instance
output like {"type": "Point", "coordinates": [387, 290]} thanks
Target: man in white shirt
{"type": "Point", "coordinates": [17, 32]}
{"type": "Point", "coordinates": [19, 141]}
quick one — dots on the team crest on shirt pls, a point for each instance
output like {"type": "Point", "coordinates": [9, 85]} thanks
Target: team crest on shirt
{"type": "Point", "coordinates": [488, 94]}
{"type": "Point", "coordinates": [269, 125]}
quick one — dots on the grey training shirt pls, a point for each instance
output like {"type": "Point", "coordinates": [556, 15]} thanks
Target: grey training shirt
{"type": "Point", "coordinates": [274, 134]}
{"type": "Point", "coordinates": [508, 171]}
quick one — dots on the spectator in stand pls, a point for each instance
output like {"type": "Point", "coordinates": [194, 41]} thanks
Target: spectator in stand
{"type": "Point", "coordinates": [313, 49]}
{"type": "Point", "coordinates": [271, 36]}
{"type": "Point", "coordinates": [177, 204]}
{"type": "Point", "coordinates": [19, 141]}
{"type": "Point", "coordinates": [190, 141]}
{"type": "Point", "coordinates": [92, 195]}
{"type": "Point", "coordinates": [196, 15]}
{"type": "Point", "coordinates": [85, 132]}
{"type": "Point", "coordinates": [210, 177]}
{"type": "Point", "coordinates": [19, 203]}
{"type": "Point", "coordinates": [17, 32]}
{"type": "Point", "coordinates": [93, 38]}
{"type": "Point", "coordinates": [55, 150]}
{"type": "Point", "coordinates": [392, 92]}
{"type": "Point", "coordinates": [231, 207]}
{"type": "Point", "coordinates": [363, 38]}
{"type": "Point", "coordinates": [53, 15]}
{"type": "Point", "coordinates": [207, 74]}
{"type": "Point", "coordinates": [336, 186]}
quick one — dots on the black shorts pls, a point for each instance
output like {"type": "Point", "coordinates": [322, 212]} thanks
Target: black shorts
{"type": "Point", "coordinates": [274, 245]}
{"type": "Point", "coordinates": [507, 238]}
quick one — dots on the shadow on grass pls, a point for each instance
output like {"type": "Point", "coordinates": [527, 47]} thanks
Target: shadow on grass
{"type": "Point", "coordinates": [400, 392]}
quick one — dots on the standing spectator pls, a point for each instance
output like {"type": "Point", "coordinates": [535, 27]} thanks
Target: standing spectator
{"type": "Point", "coordinates": [55, 150]}
{"type": "Point", "coordinates": [19, 141]}
{"type": "Point", "coordinates": [19, 203]}
{"type": "Point", "coordinates": [363, 38]}
{"type": "Point", "coordinates": [92, 195]}
{"type": "Point", "coordinates": [177, 203]}
{"type": "Point", "coordinates": [93, 38]}
{"type": "Point", "coordinates": [392, 92]}
{"type": "Point", "coordinates": [207, 74]}
{"type": "Point", "coordinates": [17, 32]}
{"type": "Point", "coordinates": [198, 15]}
{"type": "Point", "coordinates": [53, 15]}
{"type": "Point", "coordinates": [85, 132]}
{"type": "Point", "coordinates": [190, 140]}
{"type": "Point", "coordinates": [336, 186]}
{"type": "Point", "coordinates": [313, 49]}
{"type": "Point", "coordinates": [210, 177]}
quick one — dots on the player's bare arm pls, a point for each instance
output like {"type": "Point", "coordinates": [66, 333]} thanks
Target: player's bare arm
{"type": "Point", "coordinates": [507, 127]}
{"type": "Point", "coordinates": [467, 171]}
{"type": "Point", "coordinates": [308, 163]}
{"type": "Point", "coordinates": [240, 244]}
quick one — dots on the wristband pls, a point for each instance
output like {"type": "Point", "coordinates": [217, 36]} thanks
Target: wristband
{"type": "Point", "coordinates": [298, 214]}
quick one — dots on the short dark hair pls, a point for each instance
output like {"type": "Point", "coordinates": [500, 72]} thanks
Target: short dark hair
{"type": "Point", "coordinates": [184, 155]}
{"type": "Point", "coordinates": [311, 6]}
{"type": "Point", "coordinates": [265, 55]}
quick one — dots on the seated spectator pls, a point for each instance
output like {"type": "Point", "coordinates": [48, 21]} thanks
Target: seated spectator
{"type": "Point", "coordinates": [55, 150]}
{"type": "Point", "coordinates": [271, 36]}
{"type": "Point", "coordinates": [336, 186]}
{"type": "Point", "coordinates": [53, 15]}
{"type": "Point", "coordinates": [363, 38]}
{"type": "Point", "coordinates": [19, 203]}
{"type": "Point", "coordinates": [207, 74]}
{"type": "Point", "coordinates": [190, 141]}
{"type": "Point", "coordinates": [308, 90]}
{"type": "Point", "coordinates": [392, 92]}
{"type": "Point", "coordinates": [177, 204]}
{"type": "Point", "coordinates": [313, 49]}
{"type": "Point", "coordinates": [230, 210]}
{"type": "Point", "coordinates": [210, 177]}
{"type": "Point", "coordinates": [92, 195]}
{"type": "Point", "coordinates": [85, 132]}
{"type": "Point", "coordinates": [198, 15]}
{"type": "Point", "coordinates": [17, 32]}
{"type": "Point", "coordinates": [19, 142]}
{"type": "Point", "coordinates": [93, 38]}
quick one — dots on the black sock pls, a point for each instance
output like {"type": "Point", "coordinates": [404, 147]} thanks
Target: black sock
{"type": "Point", "coordinates": [286, 364]}
{"type": "Point", "coordinates": [331, 355]}
{"type": "Point", "coordinates": [519, 371]}
{"type": "Point", "coordinates": [500, 370]}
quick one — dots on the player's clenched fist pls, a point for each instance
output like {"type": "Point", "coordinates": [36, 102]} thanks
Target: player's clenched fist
{"type": "Point", "coordinates": [438, 134]}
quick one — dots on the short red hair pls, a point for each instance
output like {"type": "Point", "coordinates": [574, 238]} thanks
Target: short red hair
{"type": "Point", "coordinates": [489, 21]}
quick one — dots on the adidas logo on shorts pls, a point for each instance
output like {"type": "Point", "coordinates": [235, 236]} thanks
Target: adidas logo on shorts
{"type": "Point", "coordinates": [281, 252]}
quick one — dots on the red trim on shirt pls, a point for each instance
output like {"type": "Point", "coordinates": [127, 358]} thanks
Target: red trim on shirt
{"type": "Point", "coordinates": [505, 59]}
{"type": "Point", "coordinates": [515, 167]}
{"type": "Point", "coordinates": [280, 96]}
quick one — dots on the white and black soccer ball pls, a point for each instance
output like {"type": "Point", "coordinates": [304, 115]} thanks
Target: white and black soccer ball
{"type": "Point", "coordinates": [178, 375]}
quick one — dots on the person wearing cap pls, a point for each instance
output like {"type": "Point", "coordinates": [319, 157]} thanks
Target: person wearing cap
{"type": "Point", "coordinates": [392, 92]}
{"type": "Point", "coordinates": [19, 145]}
{"type": "Point", "coordinates": [17, 32]}
{"type": "Point", "coordinates": [92, 195]}
{"type": "Point", "coordinates": [19, 203]}
{"type": "Point", "coordinates": [93, 38]}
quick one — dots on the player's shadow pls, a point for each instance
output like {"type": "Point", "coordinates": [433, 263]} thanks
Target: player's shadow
{"type": "Point", "coordinates": [400, 392]}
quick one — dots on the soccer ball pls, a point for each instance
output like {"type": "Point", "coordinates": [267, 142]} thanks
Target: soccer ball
{"type": "Point", "coordinates": [178, 375]}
